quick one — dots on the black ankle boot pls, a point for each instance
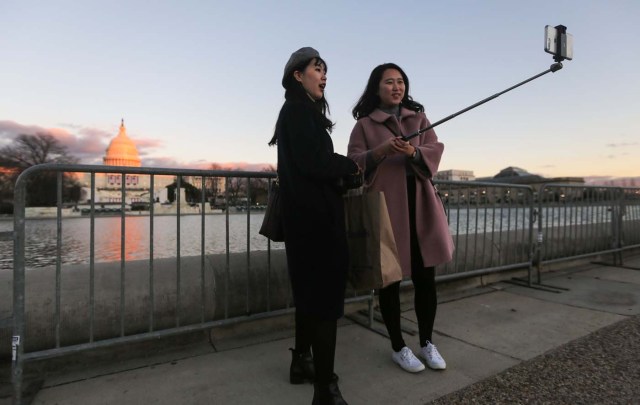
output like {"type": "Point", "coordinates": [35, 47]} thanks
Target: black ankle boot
{"type": "Point", "coordinates": [302, 369]}
{"type": "Point", "coordinates": [327, 394]}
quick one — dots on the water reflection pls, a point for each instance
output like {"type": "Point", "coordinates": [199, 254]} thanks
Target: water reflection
{"type": "Point", "coordinates": [109, 242]}
{"type": "Point", "coordinates": [41, 233]}
{"type": "Point", "coordinates": [41, 250]}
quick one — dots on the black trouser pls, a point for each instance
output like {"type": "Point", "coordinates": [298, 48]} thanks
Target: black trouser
{"type": "Point", "coordinates": [425, 298]}
{"type": "Point", "coordinates": [319, 335]}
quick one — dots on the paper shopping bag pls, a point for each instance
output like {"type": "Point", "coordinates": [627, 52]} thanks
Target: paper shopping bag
{"type": "Point", "coordinates": [373, 255]}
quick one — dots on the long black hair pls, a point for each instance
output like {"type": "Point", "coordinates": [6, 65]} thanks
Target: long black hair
{"type": "Point", "coordinates": [295, 92]}
{"type": "Point", "coordinates": [370, 100]}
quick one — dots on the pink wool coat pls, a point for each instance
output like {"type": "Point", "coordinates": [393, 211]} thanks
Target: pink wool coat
{"type": "Point", "coordinates": [436, 244]}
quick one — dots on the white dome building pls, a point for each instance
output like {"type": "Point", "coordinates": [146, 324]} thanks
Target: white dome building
{"type": "Point", "coordinates": [122, 151]}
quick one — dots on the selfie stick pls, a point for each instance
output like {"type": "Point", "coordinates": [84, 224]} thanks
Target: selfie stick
{"type": "Point", "coordinates": [554, 68]}
{"type": "Point", "coordinates": [562, 50]}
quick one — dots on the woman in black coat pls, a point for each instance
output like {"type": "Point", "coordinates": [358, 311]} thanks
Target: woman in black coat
{"type": "Point", "coordinates": [311, 177]}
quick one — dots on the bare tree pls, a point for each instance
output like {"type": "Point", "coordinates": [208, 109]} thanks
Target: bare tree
{"type": "Point", "coordinates": [30, 150]}
{"type": "Point", "coordinates": [260, 187]}
{"type": "Point", "coordinates": [236, 188]}
{"type": "Point", "coordinates": [215, 186]}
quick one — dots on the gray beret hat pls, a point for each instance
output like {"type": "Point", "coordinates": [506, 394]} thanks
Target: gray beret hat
{"type": "Point", "coordinates": [301, 55]}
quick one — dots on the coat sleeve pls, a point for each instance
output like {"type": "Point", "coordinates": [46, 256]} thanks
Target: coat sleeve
{"type": "Point", "coordinates": [359, 151]}
{"type": "Point", "coordinates": [358, 148]}
{"type": "Point", "coordinates": [430, 151]}
{"type": "Point", "coordinates": [308, 150]}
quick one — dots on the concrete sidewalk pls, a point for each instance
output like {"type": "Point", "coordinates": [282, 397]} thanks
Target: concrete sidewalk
{"type": "Point", "coordinates": [480, 333]}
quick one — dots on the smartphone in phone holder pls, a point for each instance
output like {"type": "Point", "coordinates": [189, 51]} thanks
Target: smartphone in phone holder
{"type": "Point", "coordinates": [557, 42]}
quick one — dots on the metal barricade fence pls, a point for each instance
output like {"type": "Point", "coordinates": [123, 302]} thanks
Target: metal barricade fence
{"type": "Point", "coordinates": [492, 227]}
{"type": "Point", "coordinates": [583, 221]}
{"type": "Point", "coordinates": [136, 294]}
{"type": "Point", "coordinates": [630, 218]}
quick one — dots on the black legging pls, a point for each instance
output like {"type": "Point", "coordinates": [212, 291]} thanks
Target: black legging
{"type": "Point", "coordinates": [424, 284]}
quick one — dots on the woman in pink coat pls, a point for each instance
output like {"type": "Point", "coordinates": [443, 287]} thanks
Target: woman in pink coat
{"type": "Point", "coordinates": [403, 171]}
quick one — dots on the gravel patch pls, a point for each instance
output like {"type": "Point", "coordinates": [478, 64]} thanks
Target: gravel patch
{"type": "Point", "coordinates": [601, 368]}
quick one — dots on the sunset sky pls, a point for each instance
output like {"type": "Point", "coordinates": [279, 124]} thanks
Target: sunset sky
{"type": "Point", "coordinates": [199, 81]}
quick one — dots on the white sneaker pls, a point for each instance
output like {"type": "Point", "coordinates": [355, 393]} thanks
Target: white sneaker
{"type": "Point", "coordinates": [407, 360]}
{"type": "Point", "coordinates": [432, 357]}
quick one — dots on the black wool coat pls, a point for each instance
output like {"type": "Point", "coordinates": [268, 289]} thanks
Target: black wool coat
{"type": "Point", "coordinates": [313, 211]}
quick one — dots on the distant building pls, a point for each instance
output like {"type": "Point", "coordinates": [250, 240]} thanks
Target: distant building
{"type": "Point", "coordinates": [455, 175]}
{"type": "Point", "coordinates": [211, 184]}
{"type": "Point", "coordinates": [122, 151]}
{"type": "Point", "coordinates": [516, 175]}
{"type": "Point", "coordinates": [613, 181]}
{"type": "Point", "coordinates": [511, 175]}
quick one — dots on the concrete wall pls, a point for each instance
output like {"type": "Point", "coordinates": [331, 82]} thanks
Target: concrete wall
{"type": "Point", "coordinates": [258, 286]}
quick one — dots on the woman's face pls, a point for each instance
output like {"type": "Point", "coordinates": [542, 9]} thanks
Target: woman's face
{"type": "Point", "coordinates": [391, 89]}
{"type": "Point", "coordinates": [313, 79]}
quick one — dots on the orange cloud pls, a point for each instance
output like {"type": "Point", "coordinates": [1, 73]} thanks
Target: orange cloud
{"type": "Point", "coordinates": [165, 161]}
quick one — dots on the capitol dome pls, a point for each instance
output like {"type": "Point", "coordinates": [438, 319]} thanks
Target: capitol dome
{"type": "Point", "coordinates": [122, 150]}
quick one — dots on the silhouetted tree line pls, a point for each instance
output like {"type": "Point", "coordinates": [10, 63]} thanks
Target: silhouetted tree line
{"type": "Point", "coordinates": [41, 189]}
